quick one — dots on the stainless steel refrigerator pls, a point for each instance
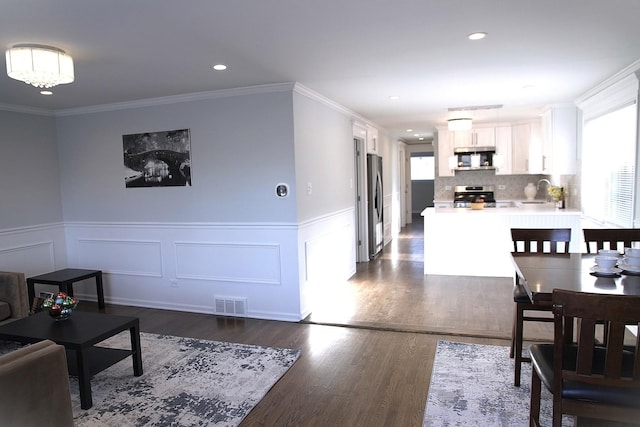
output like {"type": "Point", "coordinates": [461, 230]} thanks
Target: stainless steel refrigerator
{"type": "Point", "coordinates": [375, 204]}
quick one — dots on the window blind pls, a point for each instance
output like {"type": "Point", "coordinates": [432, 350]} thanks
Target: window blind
{"type": "Point", "coordinates": [608, 169]}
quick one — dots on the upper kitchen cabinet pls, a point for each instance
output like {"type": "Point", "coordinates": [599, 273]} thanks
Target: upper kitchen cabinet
{"type": "Point", "coordinates": [559, 140]}
{"type": "Point", "coordinates": [526, 148]}
{"type": "Point", "coordinates": [477, 137]}
{"type": "Point", "coordinates": [503, 158]}
{"type": "Point", "coordinates": [445, 151]}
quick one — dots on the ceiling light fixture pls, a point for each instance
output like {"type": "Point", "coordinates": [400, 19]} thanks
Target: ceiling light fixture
{"type": "Point", "coordinates": [219, 67]}
{"type": "Point", "coordinates": [46, 92]}
{"type": "Point", "coordinates": [394, 97]}
{"type": "Point", "coordinates": [459, 124]}
{"type": "Point", "coordinates": [477, 36]}
{"type": "Point", "coordinates": [40, 66]}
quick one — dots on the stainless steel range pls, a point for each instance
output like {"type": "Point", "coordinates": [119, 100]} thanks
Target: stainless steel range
{"type": "Point", "coordinates": [465, 194]}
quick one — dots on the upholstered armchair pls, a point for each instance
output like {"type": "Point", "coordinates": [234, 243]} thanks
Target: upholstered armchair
{"type": "Point", "coordinates": [14, 302]}
{"type": "Point", "coordinates": [34, 387]}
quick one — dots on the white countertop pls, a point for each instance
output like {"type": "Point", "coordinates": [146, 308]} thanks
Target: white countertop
{"type": "Point", "coordinates": [535, 209]}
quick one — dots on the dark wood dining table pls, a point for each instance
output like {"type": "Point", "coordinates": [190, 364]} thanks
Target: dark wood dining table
{"type": "Point", "coordinates": [541, 273]}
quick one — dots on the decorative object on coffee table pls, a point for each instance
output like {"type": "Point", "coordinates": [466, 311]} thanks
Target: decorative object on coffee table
{"type": "Point", "coordinates": [60, 306]}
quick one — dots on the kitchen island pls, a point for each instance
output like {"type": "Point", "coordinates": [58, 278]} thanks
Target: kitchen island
{"type": "Point", "coordinates": [466, 242]}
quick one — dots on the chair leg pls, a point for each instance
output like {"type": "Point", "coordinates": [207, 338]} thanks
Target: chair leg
{"type": "Point", "coordinates": [557, 410]}
{"type": "Point", "coordinates": [534, 408]}
{"type": "Point", "coordinates": [519, 326]}
{"type": "Point", "coordinates": [513, 330]}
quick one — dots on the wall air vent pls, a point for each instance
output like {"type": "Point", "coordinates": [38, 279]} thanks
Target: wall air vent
{"type": "Point", "coordinates": [231, 306]}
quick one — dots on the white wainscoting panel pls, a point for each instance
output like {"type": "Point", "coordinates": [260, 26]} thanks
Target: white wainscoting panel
{"type": "Point", "coordinates": [228, 262]}
{"type": "Point", "coordinates": [37, 256]}
{"type": "Point", "coordinates": [33, 250]}
{"type": "Point", "coordinates": [132, 257]}
{"type": "Point", "coordinates": [185, 266]}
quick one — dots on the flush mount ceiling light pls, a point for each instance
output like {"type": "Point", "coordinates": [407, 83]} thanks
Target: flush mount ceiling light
{"type": "Point", "coordinates": [219, 67]}
{"type": "Point", "coordinates": [40, 66]}
{"type": "Point", "coordinates": [477, 36]}
{"type": "Point", "coordinates": [459, 124]}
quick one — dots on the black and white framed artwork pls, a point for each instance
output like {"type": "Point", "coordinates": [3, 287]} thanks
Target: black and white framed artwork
{"type": "Point", "coordinates": [157, 159]}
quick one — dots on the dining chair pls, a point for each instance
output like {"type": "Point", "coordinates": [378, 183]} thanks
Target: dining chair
{"type": "Point", "coordinates": [553, 240]}
{"type": "Point", "coordinates": [595, 238]}
{"type": "Point", "coordinates": [587, 378]}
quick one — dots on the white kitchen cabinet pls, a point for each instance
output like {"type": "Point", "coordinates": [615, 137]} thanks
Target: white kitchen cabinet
{"type": "Point", "coordinates": [445, 151]}
{"type": "Point", "coordinates": [503, 158]}
{"type": "Point", "coordinates": [478, 137]}
{"type": "Point", "coordinates": [526, 148]}
{"type": "Point", "coordinates": [559, 140]}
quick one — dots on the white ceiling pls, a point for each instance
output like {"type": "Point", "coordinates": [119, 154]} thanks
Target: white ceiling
{"type": "Point", "coordinates": [357, 53]}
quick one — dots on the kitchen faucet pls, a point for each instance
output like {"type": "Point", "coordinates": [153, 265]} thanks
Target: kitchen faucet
{"type": "Point", "coordinates": [546, 197]}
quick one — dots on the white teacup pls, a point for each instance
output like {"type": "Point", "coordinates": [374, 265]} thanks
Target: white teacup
{"type": "Point", "coordinates": [608, 252]}
{"type": "Point", "coordinates": [606, 262]}
{"type": "Point", "coordinates": [633, 261]}
{"type": "Point", "coordinates": [632, 252]}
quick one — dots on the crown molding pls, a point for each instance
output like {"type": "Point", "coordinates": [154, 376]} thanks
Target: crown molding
{"type": "Point", "coordinates": [26, 110]}
{"type": "Point", "coordinates": [632, 68]}
{"type": "Point", "coordinates": [311, 94]}
{"type": "Point", "coordinates": [174, 99]}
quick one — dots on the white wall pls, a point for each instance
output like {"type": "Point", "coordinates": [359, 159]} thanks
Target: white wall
{"type": "Point", "coordinates": [325, 163]}
{"type": "Point", "coordinates": [32, 237]}
{"type": "Point", "coordinates": [30, 184]}
{"type": "Point", "coordinates": [228, 235]}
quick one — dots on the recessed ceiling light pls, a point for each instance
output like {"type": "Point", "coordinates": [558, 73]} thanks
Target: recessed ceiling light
{"type": "Point", "coordinates": [421, 139]}
{"type": "Point", "coordinates": [219, 67]}
{"type": "Point", "coordinates": [409, 130]}
{"type": "Point", "coordinates": [477, 36]}
{"type": "Point", "coordinates": [416, 134]}
{"type": "Point", "coordinates": [394, 97]}
{"type": "Point", "coordinates": [46, 92]}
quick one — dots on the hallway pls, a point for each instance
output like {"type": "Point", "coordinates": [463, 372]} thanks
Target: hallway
{"type": "Point", "coordinates": [392, 293]}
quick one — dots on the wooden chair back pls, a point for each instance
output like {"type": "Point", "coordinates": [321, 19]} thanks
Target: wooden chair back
{"type": "Point", "coordinates": [599, 367]}
{"type": "Point", "coordinates": [539, 236]}
{"type": "Point", "coordinates": [595, 238]}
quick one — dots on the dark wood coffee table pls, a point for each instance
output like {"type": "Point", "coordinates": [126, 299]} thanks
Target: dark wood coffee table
{"type": "Point", "coordinates": [78, 335]}
{"type": "Point", "coordinates": [64, 280]}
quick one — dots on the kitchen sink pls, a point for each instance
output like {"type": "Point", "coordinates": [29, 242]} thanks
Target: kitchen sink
{"type": "Point", "coordinates": [533, 202]}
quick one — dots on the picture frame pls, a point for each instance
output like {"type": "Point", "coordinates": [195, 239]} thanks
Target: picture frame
{"type": "Point", "coordinates": [157, 159]}
{"type": "Point", "coordinates": [36, 304]}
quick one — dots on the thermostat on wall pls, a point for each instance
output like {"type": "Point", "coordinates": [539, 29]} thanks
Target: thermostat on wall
{"type": "Point", "coordinates": [282, 190]}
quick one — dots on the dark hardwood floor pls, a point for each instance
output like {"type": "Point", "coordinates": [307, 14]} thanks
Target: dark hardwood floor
{"type": "Point", "coordinates": [368, 347]}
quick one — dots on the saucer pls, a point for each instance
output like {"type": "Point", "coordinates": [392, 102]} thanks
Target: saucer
{"type": "Point", "coordinates": [597, 270]}
{"type": "Point", "coordinates": [633, 269]}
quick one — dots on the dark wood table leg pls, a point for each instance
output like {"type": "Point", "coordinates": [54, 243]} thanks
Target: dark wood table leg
{"type": "Point", "coordinates": [67, 288]}
{"type": "Point", "coordinates": [84, 380]}
{"type": "Point", "coordinates": [136, 351]}
{"type": "Point", "coordinates": [31, 291]}
{"type": "Point", "coordinates": [100, 290]}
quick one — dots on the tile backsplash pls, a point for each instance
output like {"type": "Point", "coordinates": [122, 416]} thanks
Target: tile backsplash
{"type": "Point", "coordinates": [513, 185]}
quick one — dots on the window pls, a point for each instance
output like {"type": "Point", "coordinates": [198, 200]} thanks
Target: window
{"type": "Point", "coordinates": [608, 167]}
{"type": "Point", "coordinates": [422, 168]}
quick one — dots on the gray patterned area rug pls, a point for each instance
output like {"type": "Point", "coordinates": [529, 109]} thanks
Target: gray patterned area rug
{"type": "Point", "coordinates": [186, 382]}
{"type": "Point", "coordinates": [472, 385]}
